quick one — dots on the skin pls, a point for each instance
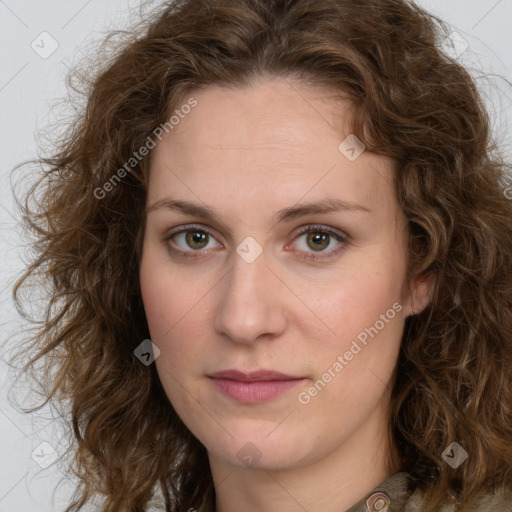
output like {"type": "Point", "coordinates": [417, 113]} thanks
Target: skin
{"type": "Point", "coordinates": [246, 154]}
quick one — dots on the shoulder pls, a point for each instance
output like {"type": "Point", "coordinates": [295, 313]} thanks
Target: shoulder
{"type": "Point", "coordinates": [485, 502]}
{"type": "Point", "coordinates": [397, 494]}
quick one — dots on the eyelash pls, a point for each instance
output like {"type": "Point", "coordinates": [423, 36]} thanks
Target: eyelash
{"type": "Point", "coordinates": [315, 228]}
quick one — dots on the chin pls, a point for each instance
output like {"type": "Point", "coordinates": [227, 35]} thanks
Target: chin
{"type": "Point", "coordinates": [260, 448]}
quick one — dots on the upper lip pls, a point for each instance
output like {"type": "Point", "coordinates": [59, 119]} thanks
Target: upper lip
{"type": "Point", "coordinates": [252, 376]}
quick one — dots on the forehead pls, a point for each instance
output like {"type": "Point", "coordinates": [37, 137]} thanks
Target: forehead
{"type": "Point", "coordinates": [275, 138]}
{"type": "Point", "coordinates": [275, 114]}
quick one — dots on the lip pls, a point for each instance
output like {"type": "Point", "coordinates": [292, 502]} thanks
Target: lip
{"type": "Point", "coordinates": [257, 375]}
{"type": "Point", "coordinates": [253, 387]}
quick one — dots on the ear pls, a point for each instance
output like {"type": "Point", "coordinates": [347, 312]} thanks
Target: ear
{"type": "Point", "coordinates": [421, 291]}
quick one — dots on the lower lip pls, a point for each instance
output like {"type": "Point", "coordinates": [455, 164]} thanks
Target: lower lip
{"type": "Point", "coordinates": [253, 392]}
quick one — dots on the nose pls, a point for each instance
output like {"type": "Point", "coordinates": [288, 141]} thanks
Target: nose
{"type": "Point", "coordinates": [250, 306]}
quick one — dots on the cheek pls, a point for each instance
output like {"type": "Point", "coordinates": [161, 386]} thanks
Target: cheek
{"type": "Point", "coordinates": [359, 299]}
{"type": "Point", "coordinates": [175, 309]}
{"type": "Point", "coordinates": [167, 318]}
{"type": "Point", "coordinates": [366, 317]}
{"type": "Point", "coordinates": [168, 295]}
{"type": "Point", "coordinates": [354, 368]}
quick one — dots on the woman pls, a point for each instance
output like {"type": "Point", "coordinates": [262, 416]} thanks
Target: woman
{"type": "Point", "coordinates": [280, 255]}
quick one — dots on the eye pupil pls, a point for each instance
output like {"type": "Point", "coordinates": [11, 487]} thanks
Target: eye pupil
{"type": "Point", "coordinates": [197, 239]}
{"type": "Point", "coordinates": [320, 240]}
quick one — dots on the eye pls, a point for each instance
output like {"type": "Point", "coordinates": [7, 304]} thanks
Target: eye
{"type": "Point", "coordinates": [320, 241]}
{"type": "Point", "coordinates": [315, 241]}
{"type": "Point", "coordinates": [190, 239]}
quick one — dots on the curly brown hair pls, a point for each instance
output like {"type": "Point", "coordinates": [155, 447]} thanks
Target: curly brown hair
{"type": "Point", "coordinates": [414, 103]}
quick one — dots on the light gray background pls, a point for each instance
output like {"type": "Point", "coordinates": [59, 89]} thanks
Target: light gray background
{"type": "Point", "coordinates": [30, 85]}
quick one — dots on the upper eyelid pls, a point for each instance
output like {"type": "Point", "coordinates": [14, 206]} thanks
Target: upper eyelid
{"type": "Point", "coordinates": [189, 227]}
{"type": "Point", "coordinates": [299, 229]}
{"type": "Point", "coordinates": [320, 227]}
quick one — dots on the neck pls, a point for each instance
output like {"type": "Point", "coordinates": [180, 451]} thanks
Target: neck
{"type": "Point", "coordinates": [331, 482]}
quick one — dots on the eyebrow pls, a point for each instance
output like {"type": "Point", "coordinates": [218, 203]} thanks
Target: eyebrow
{"type": "Point", "coordinates": [328, 205]}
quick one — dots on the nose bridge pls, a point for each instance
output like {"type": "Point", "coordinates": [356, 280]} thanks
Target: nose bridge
{"type": "Point", "coordinates": [249, 306]}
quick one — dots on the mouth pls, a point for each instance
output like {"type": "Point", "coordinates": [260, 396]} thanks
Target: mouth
{"type": "Point", "coordinates": [253, 387]}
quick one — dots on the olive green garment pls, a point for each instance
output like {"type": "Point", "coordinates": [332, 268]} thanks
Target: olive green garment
{"type": "Point", "coordinates": [393, 495]}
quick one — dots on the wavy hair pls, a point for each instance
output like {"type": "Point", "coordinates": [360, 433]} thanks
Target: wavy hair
{"type": "Point", "coordinates": [413, 103]}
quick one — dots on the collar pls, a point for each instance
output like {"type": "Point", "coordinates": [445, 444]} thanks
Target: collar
{"type": "Point", "coordinates": [395, 495]}
{"type": "Point", "coordinates": [391, 495]}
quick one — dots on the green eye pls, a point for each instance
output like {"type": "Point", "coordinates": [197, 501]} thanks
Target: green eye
{"type": "Point", "coordinates": [318, 241]}
{"type": "Point", "coordinates": [196, 239]}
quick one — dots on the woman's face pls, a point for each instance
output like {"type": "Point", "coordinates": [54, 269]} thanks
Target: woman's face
{"type": "Point", "coordinates": [233, 282]}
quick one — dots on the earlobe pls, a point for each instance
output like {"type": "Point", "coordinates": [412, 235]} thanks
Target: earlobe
{"type": "Point", "coordinates": [420, 294]}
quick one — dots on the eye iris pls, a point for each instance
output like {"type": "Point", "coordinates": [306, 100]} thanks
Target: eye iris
{"type": "Point", "coordinates": [196, 237]}
{"type": "Point", "coordinates": [320, 240]}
